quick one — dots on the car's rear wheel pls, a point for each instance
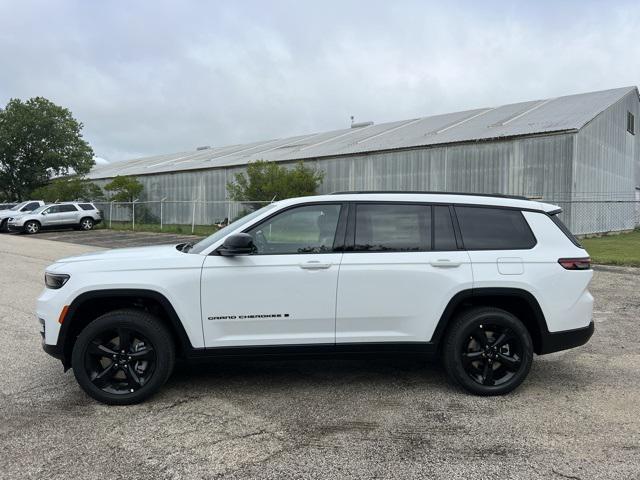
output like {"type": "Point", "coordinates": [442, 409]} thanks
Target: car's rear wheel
{"type": "Point", "coordinates": [487, 351]}
{"type": "Point", "coordinates": [32, 227]}
{"type": "Point", "coordinates": [3, 225]}
{"type": "Point", "coordinates": [86, 223]}
{"type": "Point", "coordinates": [123, 357]}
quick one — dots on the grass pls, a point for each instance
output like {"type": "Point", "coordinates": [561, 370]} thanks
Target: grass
{"type": "Point", "coordinates": [622, 249]}
{"type": "Point", "coordinates": [199, 230]}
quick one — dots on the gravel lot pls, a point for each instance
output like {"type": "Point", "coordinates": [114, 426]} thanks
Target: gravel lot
{"type": "Point", "coordinates": [112, 238]}
{"type": "Point", "coordinates": [577, 416]}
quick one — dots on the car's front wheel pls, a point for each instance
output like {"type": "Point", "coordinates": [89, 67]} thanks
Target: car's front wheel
{"type": "Point", "coordinates": [123, 357]}
{"type": "Point", "coordinates": [487, 351]}
{"type": "Point", "coordinates": [32, 227]}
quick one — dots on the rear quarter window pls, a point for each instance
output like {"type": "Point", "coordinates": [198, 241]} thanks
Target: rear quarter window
{"type": "Point", "coordinates": [86, 206]}
{"type": "Point", "coordinates": [560, 224]}
{"type": "Point", "coordinates": [486, 228]}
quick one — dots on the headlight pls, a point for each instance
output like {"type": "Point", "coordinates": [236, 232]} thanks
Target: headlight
{"type": "Point", "coordinates": [55, 280]}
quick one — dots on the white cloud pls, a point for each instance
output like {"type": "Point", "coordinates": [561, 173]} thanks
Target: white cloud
{"type": "Point", "coordinates": [156, 77]}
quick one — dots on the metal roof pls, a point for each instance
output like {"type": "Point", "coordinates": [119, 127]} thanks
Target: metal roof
{"type": "Point", "coordinates": [560, 114]}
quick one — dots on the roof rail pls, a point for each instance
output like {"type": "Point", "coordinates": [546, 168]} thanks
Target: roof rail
{"type": "Point", "coordinates": [496, 195]}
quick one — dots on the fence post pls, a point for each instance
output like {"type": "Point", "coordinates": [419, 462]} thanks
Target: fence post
{"type": "Point", "coordinates": [161, 202]}
{"type": "Point", "coordinates": [110, 212]}
{"type": "Point", "coordinates": [133, 215]}
{"type": "Point", "coordinates": [193, 218]}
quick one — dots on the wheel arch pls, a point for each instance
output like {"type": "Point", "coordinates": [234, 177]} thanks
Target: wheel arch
{"type": "Point", "coordinates": [90, 305]}
{"type": "Point", "coordinates": [520, 303]}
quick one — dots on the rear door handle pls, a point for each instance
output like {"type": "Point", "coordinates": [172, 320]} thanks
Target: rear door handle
{"type": "Point", "coordinates": [444, 263]}
{"type": "Point", "coordinates": [314, 265]}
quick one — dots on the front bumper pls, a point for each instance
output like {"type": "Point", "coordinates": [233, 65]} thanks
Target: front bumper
{"type": "Point", "coordinates": [557, 341]}
{"type": "Point", "coordinates": [52, 350]}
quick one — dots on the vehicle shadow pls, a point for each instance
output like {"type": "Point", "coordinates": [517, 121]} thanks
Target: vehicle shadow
{"type": "Point", "coordinates": [388, 372]}
{"type": "Point", "coordinates": [302, 371]}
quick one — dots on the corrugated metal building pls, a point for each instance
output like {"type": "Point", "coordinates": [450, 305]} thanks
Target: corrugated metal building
{"type": "Point", "coordinates": [577, 151]}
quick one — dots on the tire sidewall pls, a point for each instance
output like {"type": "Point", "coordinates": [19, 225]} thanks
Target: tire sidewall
{"type": "Point", "coordinates": [84, 220]}
{"type": "Point", "coordinates": [154, 332]}
{"type": "Point", "coordinates": [453, 355]}
{"type": "Point", "coordinates": [32, 222]}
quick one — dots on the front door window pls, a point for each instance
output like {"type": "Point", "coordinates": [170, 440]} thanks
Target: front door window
{"type": "Point", "coordinates": [308, 229]}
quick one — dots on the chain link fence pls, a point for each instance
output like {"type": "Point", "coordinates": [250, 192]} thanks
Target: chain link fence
{"type": "Point", "coordinates": [197, 217]}
{"type": "Point", "coordinates": [583, 217]}
{"type": "Point", "coordinates": [590, 217]}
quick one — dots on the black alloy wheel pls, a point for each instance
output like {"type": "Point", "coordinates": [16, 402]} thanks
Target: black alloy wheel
{"type": "Point", "coordinates": [120, 360]}
{"type": "Point", "coordinates": [492, 355]}
{"type": "Point", "coordinates": [123, 357]}
{"type": "Point", "coordinates": [487, 351]}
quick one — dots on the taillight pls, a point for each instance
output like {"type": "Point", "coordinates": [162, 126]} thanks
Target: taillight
{"type": "Point", "coordinates": [583, 263]}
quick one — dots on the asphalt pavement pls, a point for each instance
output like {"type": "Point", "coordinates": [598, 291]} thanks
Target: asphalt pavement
{"type": "Point", "coordinates": [577, 416]}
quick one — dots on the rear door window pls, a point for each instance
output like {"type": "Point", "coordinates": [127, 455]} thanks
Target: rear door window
{"type": "Point", "coordinates": [486, 228]}
{"type": "Point", "coordinates": [68, 208]}
{"type": "Point", "coordinates": [392, 228]}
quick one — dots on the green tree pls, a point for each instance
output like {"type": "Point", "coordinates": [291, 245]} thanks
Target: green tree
{"type": "Point", "coordinates": [67, 189]}
{"type": "Point", "coordinates": [38, 140]}
{"type": "Point", "coordinates": [124, 189]}
{"type": "Point", "coordinates": [265, 180]}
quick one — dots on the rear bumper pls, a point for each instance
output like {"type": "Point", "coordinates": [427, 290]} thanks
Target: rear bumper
{"type": "Point", "coordinates": [557, 341]}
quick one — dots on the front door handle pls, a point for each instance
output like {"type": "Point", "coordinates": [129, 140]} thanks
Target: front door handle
{"type": "Point", "coordinates": [314, 265]}
{"type": "Point", "coordinates": [445, 263]}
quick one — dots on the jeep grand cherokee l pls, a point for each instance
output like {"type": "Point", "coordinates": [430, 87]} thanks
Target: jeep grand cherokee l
{"type": "Point", "coordinates": [481, 281]}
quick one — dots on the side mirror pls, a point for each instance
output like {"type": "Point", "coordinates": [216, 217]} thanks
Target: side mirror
{"type": "Point", "coordinates": [43, 213]}
{"type": "Point", "coordinates": [238, 244]}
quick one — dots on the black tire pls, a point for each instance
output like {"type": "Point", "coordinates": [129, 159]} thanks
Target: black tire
{"type": "Point", "coordinates": [118, 374]}
{"type": "Point", "coordinates": [86, 224]}
{"type": "Point", "coordinates": [31, 227]}
{"type": "Point", "coordinates": [4, 226]}
{"type": "Point", "coordinates": [487, 351]}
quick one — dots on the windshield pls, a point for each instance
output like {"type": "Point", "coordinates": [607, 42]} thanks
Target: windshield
{"type": "Point", "coordinates": [223, 232]}
{"type": "Point", "coordinates": [39, 209]}
{"type": "Point", "coordinates": [18, 206]}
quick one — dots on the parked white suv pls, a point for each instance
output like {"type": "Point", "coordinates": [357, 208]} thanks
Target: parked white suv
{"type": "Point", "coordinates": [19, 209]}
{"type": "Point", "coordinates": [80, 215]}
{"type": "Point", "coordinates": [482, 281]}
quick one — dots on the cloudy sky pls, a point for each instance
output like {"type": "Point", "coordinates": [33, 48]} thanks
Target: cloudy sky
{"type": "Point", "coordinates": [150, 77]}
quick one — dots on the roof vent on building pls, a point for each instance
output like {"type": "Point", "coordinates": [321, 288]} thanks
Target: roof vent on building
{"type": "Point", "coordinates": [204, 147]}
{"type": "Point", "coordinates": [361, 124]}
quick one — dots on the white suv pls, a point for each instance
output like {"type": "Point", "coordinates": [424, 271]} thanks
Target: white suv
{"type": "Point", "coordinates": [19, 209]}
{"type": "Point", "coordinates": [482, 281]}
{"type": "Point", "coordinates": [80, 215]}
